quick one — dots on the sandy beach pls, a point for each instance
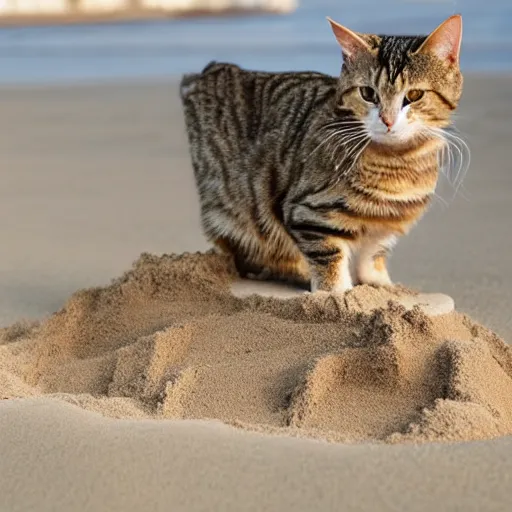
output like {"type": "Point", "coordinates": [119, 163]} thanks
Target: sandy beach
{"type": "Point", "coordinates": [96, 175]}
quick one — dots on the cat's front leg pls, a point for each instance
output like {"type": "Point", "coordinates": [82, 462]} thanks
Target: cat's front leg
{"type": "Point", "coordinates": [326, 247]}
{"type": "Point", "coordinates": [371, 263]}
{"type": "Point", "coordinates": [329, 267]}
{"type": "Point", "coordinates": [328, 257]}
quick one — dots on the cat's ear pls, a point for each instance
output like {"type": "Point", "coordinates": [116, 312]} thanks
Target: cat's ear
{"type": "Point", "coordinates": [444, 42]}
{"type": "Point", "coordinates": [350, 42]}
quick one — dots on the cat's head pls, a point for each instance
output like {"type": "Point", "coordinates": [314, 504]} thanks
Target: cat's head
{"type": "Point", "coordinates": [401, 86]}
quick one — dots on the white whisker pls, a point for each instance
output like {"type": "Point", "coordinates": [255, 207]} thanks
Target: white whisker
{"type": "Point", "coordinates": [351, 151]}
{"type": "Point", "coordinates": [455, 157]}
{"type": "Point", "coordinates": [355, 153]}
{"type": "Point", "coordinates": [324, 142]}
{"type": "Point", "coordinates": [346, 136]}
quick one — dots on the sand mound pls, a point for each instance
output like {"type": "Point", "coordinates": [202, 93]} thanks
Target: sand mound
{"type": "Point", "coordinates": [170, 340]}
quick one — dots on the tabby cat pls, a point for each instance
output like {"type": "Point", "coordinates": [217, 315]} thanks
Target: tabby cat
{"type": "Point", "coordinates": [301, 174]}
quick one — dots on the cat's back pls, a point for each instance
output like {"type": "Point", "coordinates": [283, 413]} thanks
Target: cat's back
{"type": "Point", "coordinates": [229, 98]}
{"type": "Point", "coordinates": [221, 80]}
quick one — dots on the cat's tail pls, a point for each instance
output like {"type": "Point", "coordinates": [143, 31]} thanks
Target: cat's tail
{"type": "Point", "coordinates": [189, 81]}
{"type": "Point", "coordinates": [187, 84]}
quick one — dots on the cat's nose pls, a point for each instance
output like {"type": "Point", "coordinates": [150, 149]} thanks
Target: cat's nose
{"type": "Point", "coordinates": [387, 121]}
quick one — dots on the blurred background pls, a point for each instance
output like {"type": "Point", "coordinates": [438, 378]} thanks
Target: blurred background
{"type": "Point", "coordinates": [299, 39]}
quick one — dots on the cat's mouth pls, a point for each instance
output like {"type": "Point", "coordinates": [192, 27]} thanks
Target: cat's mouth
{"type": "Point", "coordinates": [385, 136]}
{"type": "Point", "coordinates": [402, 130]}
{"type": "Point", "coordinates": [396, 135]}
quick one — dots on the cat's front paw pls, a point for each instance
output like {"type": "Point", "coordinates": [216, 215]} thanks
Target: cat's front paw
{"type": "Point", "coordinates": [374, 277]}
{"type": "Point", "coordinates": [377, 281]}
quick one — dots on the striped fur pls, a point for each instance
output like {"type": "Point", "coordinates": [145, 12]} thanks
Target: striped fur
{"type": "Point", "coordinates": [290, 181]}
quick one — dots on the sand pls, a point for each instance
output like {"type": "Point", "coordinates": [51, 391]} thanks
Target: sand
{"type": "Point", "coordinates": [113, 402]}
{"type": "Point", "coordinates": [170, 340]}
{"type": "Point", "coordinates": [82, 461]}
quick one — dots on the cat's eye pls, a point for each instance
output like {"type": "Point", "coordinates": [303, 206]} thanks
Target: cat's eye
{"type": "Point", "coordinates": [413, 95]}
{"type": "Point", "coordinates": [368, 94]}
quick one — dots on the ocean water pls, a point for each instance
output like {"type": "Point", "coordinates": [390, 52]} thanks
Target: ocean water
{"type": "Point", "coordinates": [299, 41]}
